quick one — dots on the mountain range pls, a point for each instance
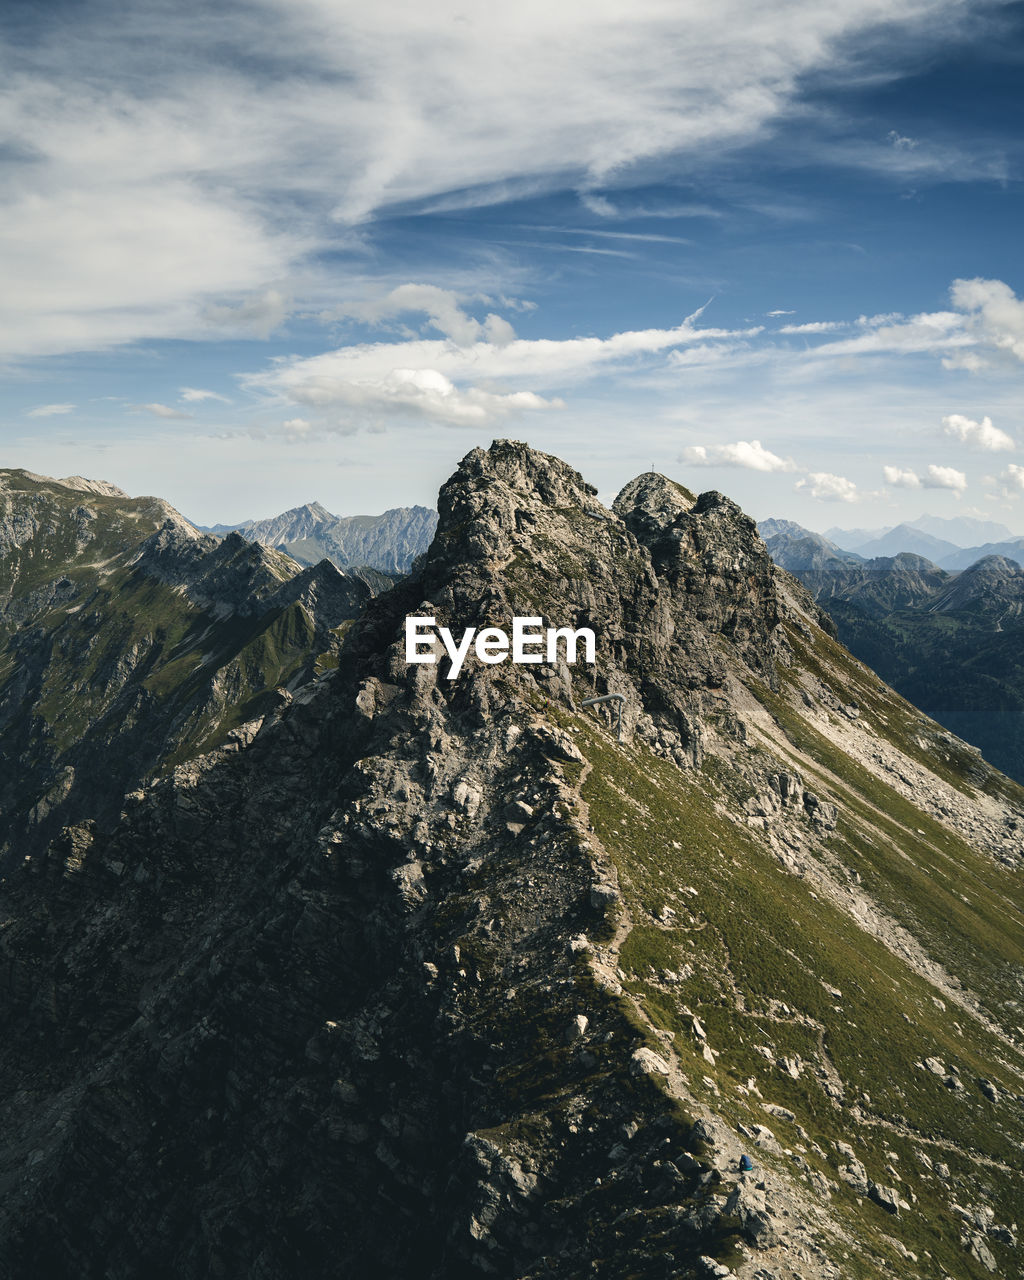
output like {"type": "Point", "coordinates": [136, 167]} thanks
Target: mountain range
{"type": "Point", "coordinates": [957, 531]}
{"type": "Point", "coordinates": [853, 546]}
{"type": "Point", "coordinates": [389, 542]}
{"type": "Point", "coordinates": [129, 641]}
{"type": "Point", "coordinates": [448, 978]}
{"type": "Point", "coordinates": [952, 642]}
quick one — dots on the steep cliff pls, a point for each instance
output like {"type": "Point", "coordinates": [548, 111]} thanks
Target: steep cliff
{"type": "Point", "coordinates": [436, 977]}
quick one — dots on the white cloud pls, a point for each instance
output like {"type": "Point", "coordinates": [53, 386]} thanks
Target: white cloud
{"type": "Point", "coordinates": [980, 435]}
{"type": "Point", "coordinates": [443, 309]}
{"type": "Point", "coordinates": [945, 478]}
{"type": "Point", "coordinates": [297, 428]}
{"type": "Point", "coordinates": [827, 487]}
{"type": "Point", "coordinates": [986, 326]}
{"type": "Point", "coordinates": [171, 165]}
{"type": "Point", "coordinates": [900, 142]}
{"type": "Point", "coordinates": [598, 204]}
{"type": "Point", "coordinates": [969, 360]}
{"type": "Point", "coordinates": [159, 410]}
{"type": "Point", "coordinates": [773, 314]}
{"type": "Point", "coordinates": [931, 332]}
{"type": "Point", "coordinates": [196, 394]}
{"type": "Point", "coordinates": [995, 314]}
{"type": "Point", "coordinates": [486, 374]}
{"type": "Point", "coordinates": [48, 410]}
{"type": "Point", "coordinates": [425, 393]}
{"type": "Point", "coordinates": [749, 454]}
{"type": "Point", "coordinates": [902, 478]}
{"type": "Point", "coordinates": [815, 326]}
{"type": "Point", "coordinates": [1013, 476]}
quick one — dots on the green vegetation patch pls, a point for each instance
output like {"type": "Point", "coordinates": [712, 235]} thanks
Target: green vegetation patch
{"type": "Point", "coordinates": [801, 1007]}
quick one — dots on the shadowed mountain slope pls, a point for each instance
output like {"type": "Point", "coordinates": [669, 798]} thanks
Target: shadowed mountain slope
{"type": "Point", "coordinates": [128, 641]}
{"type": "Point", "coordinates": [951, 643]}
{"type": "Point", "coordinates": [436, 977]}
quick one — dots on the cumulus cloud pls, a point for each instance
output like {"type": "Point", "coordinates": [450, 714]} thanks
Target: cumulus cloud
{"type": "Point", "coordinates": [935, 477]}
{"type": "Point", "coordinates": [827, 487]}
{"type": "Point", "coordinates": [980, 435]}
{"type": "Point", "coordinates": [901, 478]}
{"type": "Point", "coordinates": [995, 314]}
{"type": "Point", "coordinates": [159, 410]}
{"type": "Point", "coordinates": [196, 394]}
{"type": "Point", "coordinates": [1013, 476]}
{"type": "Point", "coordinates": [945, 478]}
{"type": "Point", "coordinates": [49, 410]}
{"type": "Point", "coordinates": [749, 454]}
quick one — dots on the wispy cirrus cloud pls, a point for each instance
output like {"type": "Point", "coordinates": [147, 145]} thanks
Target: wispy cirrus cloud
{"type": "Point", "coordinates": [194, 395]}
{"type": "Point", "coordinates": [175, 169]}
{"type": "Point", "coordinates": [814, 326]}
{"type": "Point", "coordinates": [50, 410]}
{"type": "Point", "coordinates": [479, 370]}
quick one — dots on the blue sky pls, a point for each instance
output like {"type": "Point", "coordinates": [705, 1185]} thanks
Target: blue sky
{"type": "Point", "coordinates": [266, 252]}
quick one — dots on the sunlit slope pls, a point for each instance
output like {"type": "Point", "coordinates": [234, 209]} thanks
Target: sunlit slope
{"type": "Point", "coordinates": [855, 986]}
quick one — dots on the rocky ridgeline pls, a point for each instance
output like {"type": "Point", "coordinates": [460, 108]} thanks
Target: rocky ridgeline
{"type": "Point", "coordinates": [386, 543]}
{"type": "Point", "coordinates": [416, 976]}
{"type": "Point", "coordinates": [127, 639]}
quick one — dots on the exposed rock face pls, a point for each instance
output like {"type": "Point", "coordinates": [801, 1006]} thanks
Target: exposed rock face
{"type": "Point", "coordinates": [408, 980]}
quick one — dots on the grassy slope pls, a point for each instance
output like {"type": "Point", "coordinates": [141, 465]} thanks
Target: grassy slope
{"type": "Point", "coordinates": [764, 949]}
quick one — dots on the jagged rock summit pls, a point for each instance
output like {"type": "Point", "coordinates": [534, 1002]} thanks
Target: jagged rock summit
{"type": "Point", "coordinates": [436, 977]}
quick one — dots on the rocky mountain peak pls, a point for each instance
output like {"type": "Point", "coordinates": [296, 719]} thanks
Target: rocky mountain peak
{"type": "Point", "coordinates": [995, 567]}
{"type": "Point", "coordinates": [420, 976]}
{"type": "Point", "coordinates": [651, 503]}
{"type": "Point", "coordinates": [103, 487]}
{"type": "Point", "coordinates": [506, 479]}
{"type": "Point", "coordinates": [674, 610]}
